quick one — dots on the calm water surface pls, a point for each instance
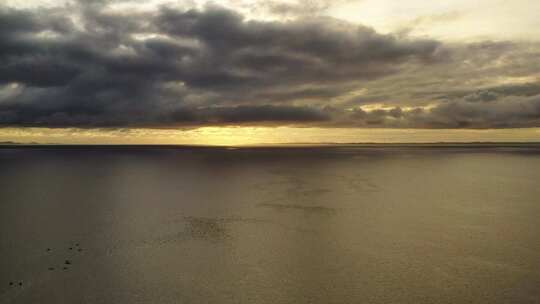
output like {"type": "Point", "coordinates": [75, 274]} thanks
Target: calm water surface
{"type": "Point", "coordinates": [270, 225]}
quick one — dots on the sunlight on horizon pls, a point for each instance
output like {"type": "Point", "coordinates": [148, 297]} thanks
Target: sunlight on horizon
{"type": "Point", "coordinates": [232, 136]}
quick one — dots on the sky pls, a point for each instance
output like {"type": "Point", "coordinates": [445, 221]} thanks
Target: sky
{"type": "Point", "coordinates": [281, 71]}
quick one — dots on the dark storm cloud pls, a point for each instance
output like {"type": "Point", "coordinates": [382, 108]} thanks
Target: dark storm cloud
{"type": "Point", "coordinates": [266, 113]}
{"type": "Point", "coordinates": [262, 54]}
{"type": "Point", "coordinates": [86, 66]}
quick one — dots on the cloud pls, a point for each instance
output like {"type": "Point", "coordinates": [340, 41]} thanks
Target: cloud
{"type": "Point", "coordinates": [515, 112]}
{"type": "Point", "coordinates": [87, 66]}
{"type": "Point", "coordinates": [265, 113]}
{"type": "Point", "coordinates": [297, 8]}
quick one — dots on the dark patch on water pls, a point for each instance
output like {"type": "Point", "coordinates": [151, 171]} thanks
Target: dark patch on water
{"type": "Point", "coordinates": [310, 209]}
{"type": "Point", "coordinates": [206, 228]}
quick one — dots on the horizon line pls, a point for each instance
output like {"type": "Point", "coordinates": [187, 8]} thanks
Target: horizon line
{"type": "Point", "coordinates": [304, 144]}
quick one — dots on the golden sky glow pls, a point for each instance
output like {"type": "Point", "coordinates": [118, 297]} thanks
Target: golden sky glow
{"type": "Point", "coordinates": [262, 135]}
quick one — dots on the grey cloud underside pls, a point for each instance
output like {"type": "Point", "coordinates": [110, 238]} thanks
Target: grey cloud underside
{"type": "Point", "coordinates": [214, 67]}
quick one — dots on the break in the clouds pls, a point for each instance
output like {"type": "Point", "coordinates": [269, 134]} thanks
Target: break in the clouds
{"type": "Point", "coordinates": [88, 64]}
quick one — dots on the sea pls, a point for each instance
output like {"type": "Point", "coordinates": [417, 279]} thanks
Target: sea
{"type": "Point", "coordinates": [394, 223]}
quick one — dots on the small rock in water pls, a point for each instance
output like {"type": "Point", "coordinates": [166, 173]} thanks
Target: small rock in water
{"type": "Point", "coordinates": [70, 248]}
{"type": "Point", "coordinates": [20, 283]}
{"type": "Point", "coordinates": [65, 268]}
{"type": "Point", "coordinates": [67, 262]}
{"type": "Point", "coordinates": [48, 249]}
{"type": "Point", "coordinates": [77, 244]}
{"type": "Point", "coordinates": [51, 268]}
{"type": "Point", "coordinates": [11, 283]}
{"type": "Point", "coordinates": [79, 249]}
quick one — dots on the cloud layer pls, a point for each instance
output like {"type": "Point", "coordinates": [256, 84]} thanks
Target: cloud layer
{"type": "Point", "coordinates": [86, 65]}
